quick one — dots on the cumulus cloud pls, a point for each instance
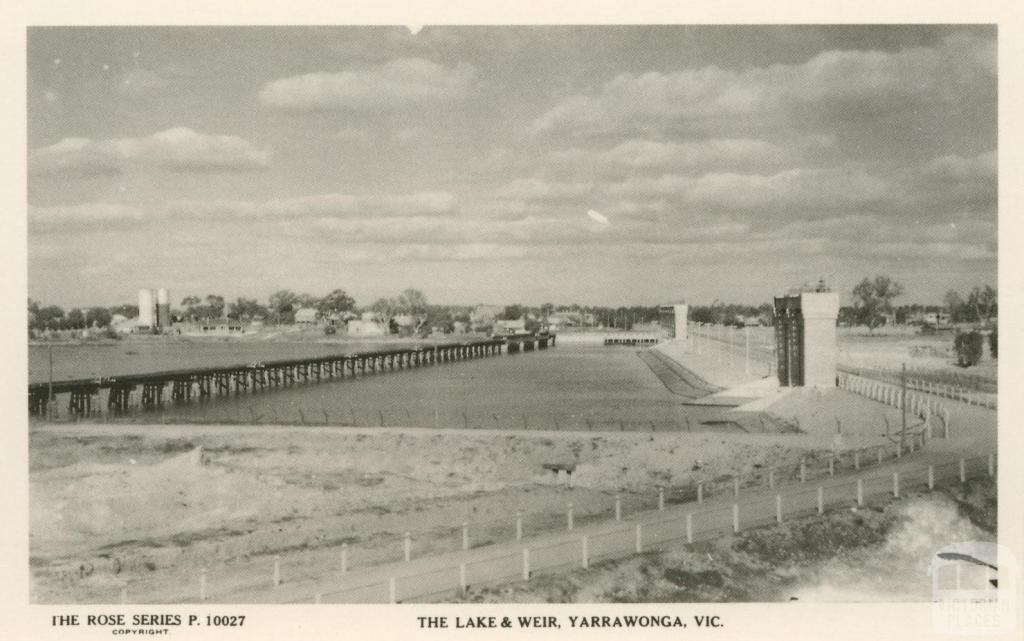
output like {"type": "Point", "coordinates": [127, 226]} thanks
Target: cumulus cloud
{"type": "Point", "coordinates": [73, 218]}
{"type": "Point", "coordinates": [177, 149]}
{"type": "Point", "coordinates": [398, 83]}
{"type": "Point", "coordinates": [845, 83]}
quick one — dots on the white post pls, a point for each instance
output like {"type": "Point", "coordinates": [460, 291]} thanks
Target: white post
{"type": "Point", "coordinates": [202, 584]}
{"type": "Point", "coordinates": [344, 558]}
{"type": "Point", "coordinates": [392, 590]}
{"type": "Point", "coordinates": [832, 465]}
{"type": "Point", "coordinates": [881, 454]}
{"type": "Point", "coordinates": [408, 546]}
{"type": "Point", "coordinates": [991, 464]}
{"type": "Point", "coordinates": [860, 492]}
{"type": "Point", "coordinates": [465, 536]}
{"type": "Point", "coordinates": [945, 422]}
{"type": "Point", "coordinates": [856, 459]}
{"type": "Point", "coordinates": [277, 571]}
{"type": "Point", "coordinates": [821, 500]}
{"type": "Point", "coordinates": [931, 477]}
{"type": "Point", "coordinates": [639, 538]}
{"type": "Point", "coordinates": [519, 526]}
{"type": "Point", "coordinates": [526, 564]}
{"type": "Point", "coordinates": [700, 492]}
{"type": "Point", "coordinates": [803, 471]}
{"type": "Point", "coordinates": [896, 485]}
{"type": "Point", "coordinates": [618, 508]}
{"type": "Point", "coordinates": [963, 471]}
{"type": "Point", "coordinates": [585, 552]}
{"type": "Point", "coordinates": [771, 478]}
{"type": "Point", "coordinates": [661, 499]}
{"type": "Point", "coordinates": [778, 508]}
{"type": "Point", "coordinates": [735, 517]}
{"type": "Point", "coordinates": [689, 527]}
{"type": "Point", "coordinates": [568, 518]}
{"type": "Point", "coordinates": [462, 577]}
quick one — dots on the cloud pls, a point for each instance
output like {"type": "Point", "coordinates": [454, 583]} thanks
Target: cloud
{"type": "Point", "coordinates": [177, 149]}
{"type": "Point", "coordinates": [395, 84]}
{"type": "Point", "coordinates": [739, 151]}
{"type": "Point", "coordinates": [316, 206]}
{"type": "Point", "coordinates": [73, 218]}
{"type": "Point", "coordinates": [844, 84]}
{"type": "Point", "coordinates": [597, 217]}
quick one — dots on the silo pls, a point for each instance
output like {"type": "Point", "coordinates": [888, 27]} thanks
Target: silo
{"type": "Point", "coordinates": [146, 308]}
{"type": "Point", "coordinates": [163, 308]}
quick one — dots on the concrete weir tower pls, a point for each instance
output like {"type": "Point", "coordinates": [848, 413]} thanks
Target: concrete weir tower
{"type": "Point", "coordinates": [805, 338]}
{"type": "Point", "coordinates": [163, 308]}
{"type": "Point", "coordinates": [147, 308]}
{"type": "Point", "coordinates": [673, 318]}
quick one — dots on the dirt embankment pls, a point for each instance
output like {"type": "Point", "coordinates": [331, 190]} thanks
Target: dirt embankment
{"type": "Point", "coordinates": [878, 553]}
{"type": "Point", "coordinates": [112, 505]}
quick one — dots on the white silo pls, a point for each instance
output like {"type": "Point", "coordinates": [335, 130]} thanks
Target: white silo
{"type": "Point", "coordinates": [147, 308]}
{"type": "Point", "coordinates": [163, 308]}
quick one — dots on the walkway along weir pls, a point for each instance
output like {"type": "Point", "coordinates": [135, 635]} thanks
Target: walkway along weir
{"type": "Point", "coordinates": [150, 391]}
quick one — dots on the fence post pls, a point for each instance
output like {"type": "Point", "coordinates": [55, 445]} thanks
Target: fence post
{"type": "Point", "coordinates": [856, 459]}
{"type": "Point", "coordinates": [465, 536]}
{"type": "Point", "coordinates": [700, 492]}
{"type": "Point", "coordinates": [392, 590]}
{"type": "Point", "coordinates": [896, 485]}
{"type": "Point", "coordinates": [202, 584]}
{"type": "Point", "coordinates": [963, 471]}
{"type": "Point", "coordinates": [735, 486]}
{"type": "Point", "coordinates": [526, 564]}
{"type": "Point", "coordinates": [832, 465]}
{"type": "Point", "coordinates": [689, 527]}
{"type": "Point", "coordinates": [277, 570]}
{"type": "Point", "coordinates": [408, 546]}
{"type": "Point", "coordinates": [931, 477]}
{"type": "Point", "coordinates": [945, 422]}
{"type": "Point", "coordinates": [462, 577]}
{"type": "Point", "coordinates": [778, 508]}
{"type": "Point", "coordinates": [735, 517]}
{"type": "Point", "coordinates": [803, 471]}
{"type": "Point", "coordinates": [639, 538]}
{"type": "Point", "coordinates": [771, 478]}
{"type": "Point", "coordinates": [860, 492]}
{"type": "Point", "coordinates": [584, 552]}
{"type": "Point", "coordinates": [568, 518]}
{"type": "Point", "coordinates": [821, 500]}
{"type": "Point", "coordinates": [991, 464]}
{"type": "Point", "coordinates": [618, 508]}
{"type": "Point", "coordinates": [899, 450]}
{"type": "Point", "coordinates": [344, 558]}
{"type": "Point", "coordinates": [519, 526]}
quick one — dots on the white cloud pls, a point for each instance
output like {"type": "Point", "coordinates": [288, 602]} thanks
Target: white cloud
{"type": "Point", "coordinates": [848, 83]}
{"type": "Point", "coordinates": [737, 151]}
{"type": "Point", "coordinates": [72, 218]}
{"type": "Point", "coordinates": [178, 149]}
{"type": "Point", "coordinates": [402, 82]}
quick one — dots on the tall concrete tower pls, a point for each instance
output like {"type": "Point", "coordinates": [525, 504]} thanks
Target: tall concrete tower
{"type": "Point", "coordinates": [805, 338]}
{"type": "Point", "coordinates": [673, 317]}
{"type": "Point", "coordinates": [147, 308]}
{"type": "Point", "coordinates": [163, 308]}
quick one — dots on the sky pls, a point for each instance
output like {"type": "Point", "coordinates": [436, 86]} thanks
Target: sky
{"type": "Point", "coordinates": [605, 165]}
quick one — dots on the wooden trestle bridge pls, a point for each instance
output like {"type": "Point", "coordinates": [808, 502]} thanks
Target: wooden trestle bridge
{"type": "Point", "coordinates": [149, 391]}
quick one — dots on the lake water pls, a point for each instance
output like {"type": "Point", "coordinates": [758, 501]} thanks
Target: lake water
{"type": "Point", "coordinates": [569, 387]}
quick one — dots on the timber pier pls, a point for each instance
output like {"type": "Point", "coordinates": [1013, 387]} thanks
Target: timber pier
{"type": "Point", "coordinates": [153, 390]}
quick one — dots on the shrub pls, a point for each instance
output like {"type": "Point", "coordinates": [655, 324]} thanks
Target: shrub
{"type": "Point", "coordinates": [993, 342]}
{"type": "Point", "coordinates": [968, 346]}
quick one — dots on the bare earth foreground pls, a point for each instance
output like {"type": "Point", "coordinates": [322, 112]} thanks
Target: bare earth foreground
{"type": "Point", "coordinates": [145, 507]}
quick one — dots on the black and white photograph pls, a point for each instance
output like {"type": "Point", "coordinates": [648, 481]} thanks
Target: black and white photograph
{"type": "Point", "coordinates": [514, 314]}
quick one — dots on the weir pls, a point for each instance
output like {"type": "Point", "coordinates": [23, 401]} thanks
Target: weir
{"type": "Point", "coordinates": [123, 393]}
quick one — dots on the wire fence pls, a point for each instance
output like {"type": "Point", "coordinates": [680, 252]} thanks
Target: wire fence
{"type": "Point", "coordinates": [969, 389]}
{"type": "Point", "coordinates": [934, 414]}
{"type": "Point", "coordinates": [345, 557]}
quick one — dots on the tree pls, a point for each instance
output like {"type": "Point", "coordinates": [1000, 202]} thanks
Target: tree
{"type": "Point", "coordinates": [336, 302]}
{"type": "Point", "coordinates": [98, 317]}
{"type": "Point", "coordinates": [75, 319]}
{"type": "Point", "coordinates": [246, 309]}
{"type": "Point", "coordinates": [283, 304]}
{"type": "Point", "coordinates": [873, 299]}
{"type": "Point", "coordinates": [49, 317]}
{"type": "Point", "coordinates": [983, 303]}
{"type": "Point", "coordinates": [954, 305]}
{"type": "Point", "coordinates": [214, 306]}
{"type": "Point", "coordinates": [412, 301]}
{"type": "Point", "coordinates": [512, 312]}
{"type": "Point", "coordinates": [385, 308]}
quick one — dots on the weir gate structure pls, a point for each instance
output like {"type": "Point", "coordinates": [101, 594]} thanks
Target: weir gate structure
{"type": "Point", "coordinates": [148, 391]}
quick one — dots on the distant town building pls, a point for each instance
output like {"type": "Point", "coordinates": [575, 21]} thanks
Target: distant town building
{"type": "Point", "coordinates": [510, 326]}
{"type": "Point", "coordinates": [306, 316]}
{"type": "Point", "coordinates": [363, 327]}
